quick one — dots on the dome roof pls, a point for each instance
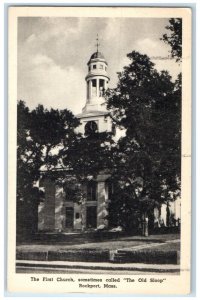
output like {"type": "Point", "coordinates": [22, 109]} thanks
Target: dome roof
{"type": "Point", "coordinates": [97, 55]}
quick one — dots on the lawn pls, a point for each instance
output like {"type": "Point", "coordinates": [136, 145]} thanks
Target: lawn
{"type": "Point", "coordinates": [163, 249]}
{"type": "Point", "coordinates": [157, 242]}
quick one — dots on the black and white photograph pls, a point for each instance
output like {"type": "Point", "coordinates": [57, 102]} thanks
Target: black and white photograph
{"type": "Point", "coordinates": [100, 149]}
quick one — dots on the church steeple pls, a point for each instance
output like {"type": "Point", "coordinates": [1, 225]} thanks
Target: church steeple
{"type": "Point", "coordinates": [97, 44]}
{"type": "Point", "coordinates": [95, 116]}
{"type": "Point", "coordinates": [96, 81]}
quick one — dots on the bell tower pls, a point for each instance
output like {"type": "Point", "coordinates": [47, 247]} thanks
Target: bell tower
{"type": "Point", "coordinates": [97, 81]}
{"type": "Point", "coordinates": [94, 114]}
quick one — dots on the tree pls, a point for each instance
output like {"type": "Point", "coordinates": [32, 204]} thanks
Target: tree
{"type": "Point", "coordinates": [174, 37]}
{"type": "Point", "coordinates": [41, 134]}
{"type": "Point", "coordinates": [147, 160]}
{"type": "Point", "coordinates": [89, 155]}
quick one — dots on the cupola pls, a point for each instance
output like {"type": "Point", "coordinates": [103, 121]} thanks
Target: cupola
{"type": "Point", "coordinates": [97, 80]}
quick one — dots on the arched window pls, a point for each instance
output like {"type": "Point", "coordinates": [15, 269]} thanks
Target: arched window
{"type": "Point", "coordinates": [91, 128]}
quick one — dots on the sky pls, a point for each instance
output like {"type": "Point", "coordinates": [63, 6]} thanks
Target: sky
{"type": "Point", "coordinates": [53, 55]}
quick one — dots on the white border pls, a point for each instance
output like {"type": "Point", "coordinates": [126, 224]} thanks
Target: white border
{"type": "Point", "coordinates": [114, 3]}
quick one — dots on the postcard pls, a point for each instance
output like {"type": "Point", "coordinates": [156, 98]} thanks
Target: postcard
{"type": "Point", "coordinates": [99, 150]}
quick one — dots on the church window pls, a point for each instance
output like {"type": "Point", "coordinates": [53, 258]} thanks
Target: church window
{"type": "Point", "coordinates": [94, 83]}
{"type": "Point", "coordinates": [91, 128]}
{"type": "Point", "coordinates": [94, 88]}
{"type": "Point", "coordinates": [92, 191]}
{"type": "Point", "coordinates": [94, 66]}
{"type": "Point", "coordinates": [77, 216]}
{"type": "Point", "coordinates": [101, 87]}
{"type": "Point", "coordinates": [101, 83]}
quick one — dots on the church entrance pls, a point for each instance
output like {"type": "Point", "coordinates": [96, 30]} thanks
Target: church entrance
{"type": "Point", "coordinates": [91, 217]}
{"type": "Point", "coordinates": [69, 217]}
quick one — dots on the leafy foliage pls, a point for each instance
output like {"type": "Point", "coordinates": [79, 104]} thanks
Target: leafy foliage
{"type": "Point", "coordinates": [147, 160]}
{"type": "Point", "coordinates": [89, 155]}
{"type": "Point", "coordinates": [174, 37]}
{"type": "Point", "coordinates": [145, 163]}
{"type": "Point", "coordinates": [41, 133]}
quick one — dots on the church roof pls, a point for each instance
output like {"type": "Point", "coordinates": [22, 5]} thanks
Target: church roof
{"type": "Point", "coordinates": [97, 55]}
{"type": "Point", "coordinates": [91, 114]}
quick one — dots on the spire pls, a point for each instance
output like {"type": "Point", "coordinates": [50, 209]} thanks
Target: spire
{"type": "Point", "coordinates": [97, 44]}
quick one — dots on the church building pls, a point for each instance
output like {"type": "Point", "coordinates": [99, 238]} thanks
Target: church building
{"type": "Point", "coordinates": [59, 212]}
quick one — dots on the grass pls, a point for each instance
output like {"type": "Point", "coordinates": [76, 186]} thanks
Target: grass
{"type": "Point", "coordinates": [114, 245]}
{"type": "Point", "coordinates": [154, 249]}
{"type": "Point", "coordinates": [120, 243]}
{"type": "Point", "coordinates": [167, 247]}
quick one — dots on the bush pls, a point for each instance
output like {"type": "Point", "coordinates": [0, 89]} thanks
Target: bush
{"type": "Point", "coordinates": [148, 256]}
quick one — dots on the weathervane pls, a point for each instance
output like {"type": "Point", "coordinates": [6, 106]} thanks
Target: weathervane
{"type": "Point", "coordinates": [97, 44]}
